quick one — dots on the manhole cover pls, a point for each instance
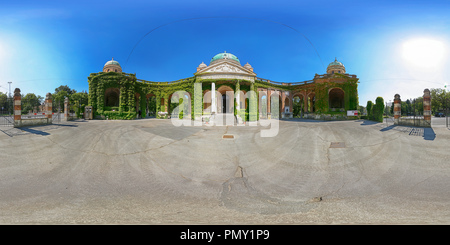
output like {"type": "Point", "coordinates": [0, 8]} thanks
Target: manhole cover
{"type": "Point", "coordinates": [337, 145]}
{"type": "Point", "coordinates": [228, 136]}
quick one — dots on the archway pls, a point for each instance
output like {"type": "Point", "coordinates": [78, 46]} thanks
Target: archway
{"type": "Point", "coordinates": [336, 98]}
{"type": "Point", "coordinates": [226, 104]}
{"type": "Point", "coordinates": [312, 102]}
{"type": "Point", "coordinates": [287, 105]}
{"type": "Point", "coordinates": [112, 96]}
{"type": "Point", "coordinates": [297, 105]}
{"type": "Point", "coordinates": [150, 105]}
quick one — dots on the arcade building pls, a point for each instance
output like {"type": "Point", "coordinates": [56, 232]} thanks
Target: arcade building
{"type": "Point", "coordinates": [225, 86]}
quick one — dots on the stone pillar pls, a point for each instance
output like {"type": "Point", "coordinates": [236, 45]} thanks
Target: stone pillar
{"type": "Point", "coordinates": [213, 98]}
{"type": "Point", "coordinates": [291, 104]}
{"type": "Point", "coordinates": [238, 98]}
{"type": "Point", "coordinates": [427, 105]}
{"type": "Point", "coordinates": [17, 108]}
{"type": "Point", "coordinates": [66, 109]}
{"type": "Point", "coordinates": [305, 103]}
{"type": "Point", "coordinates": [268, 103]}
{"type": "Point", "coordinates": [397, 108]}
{"type": "Point", "coordinates": [48, 109]}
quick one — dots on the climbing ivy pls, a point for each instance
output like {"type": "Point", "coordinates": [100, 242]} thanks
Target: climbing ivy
{"type": "Point", "coordinates": [133, 94]}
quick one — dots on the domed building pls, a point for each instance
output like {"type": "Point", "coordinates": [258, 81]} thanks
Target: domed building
{"type": "Point", "coordinates": [112, 66]}
{"type": "Point", "coordinates": [223, 87]}
{"type": "Point", "coordinates": [335, 67]}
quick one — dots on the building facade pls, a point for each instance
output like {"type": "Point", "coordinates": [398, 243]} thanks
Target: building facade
{"type": "Point", "coordinates": [222, 87]}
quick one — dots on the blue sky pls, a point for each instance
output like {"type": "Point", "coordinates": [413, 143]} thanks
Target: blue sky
{"type": "Point", "coordinates": [45, 44]}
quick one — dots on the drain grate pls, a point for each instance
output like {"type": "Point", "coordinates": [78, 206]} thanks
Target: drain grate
{"type": "Point", "coordinates": [228, 136]}
{"type": "Point", "coordinates": [337, 145]}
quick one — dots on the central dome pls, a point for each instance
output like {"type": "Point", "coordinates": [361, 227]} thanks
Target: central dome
{"type": "Point", "coordinates": [336, 67]}
{"type": "Point", "coordinates": [112, 62]}
{"type": "Point", "coordinates": [223, 56]}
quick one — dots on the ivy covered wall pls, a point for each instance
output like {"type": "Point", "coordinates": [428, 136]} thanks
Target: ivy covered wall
{"type": "Point", "coordinates": [134, 92]}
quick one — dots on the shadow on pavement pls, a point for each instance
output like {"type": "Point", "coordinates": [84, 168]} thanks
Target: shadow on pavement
{"type": "Point", "coordinates": [34, 131]}
{"type": "Point", "coordinates": [367, 122]}
{"type": "Point", "coordinates": [387, 128]}
{"type": "Point", "coordinates": [429, 134]}
{"type": "Point", "coordinates": [65, 125]}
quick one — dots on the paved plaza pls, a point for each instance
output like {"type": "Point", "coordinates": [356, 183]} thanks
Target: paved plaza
{"type": "Point", "coordinates": [148, 171]}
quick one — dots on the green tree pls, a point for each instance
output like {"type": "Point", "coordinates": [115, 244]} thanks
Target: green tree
{"type": "Point", "coordinates": [65, 88]}
{"type": "Point", "coordinates": [79, 101]}
{"type": "Point", "coordinates": [31, 102]}
{"type": "Point", "coordinates": [58, 100]}
{"type": "Point", "coordinates": [378, 109]}
{"type": "Point", "coordinates": [297, 107]}
{"type": "Point", "coordinates": [369, 109]}
{"type": "Point", "coordinates": [440, 99]}
{"type": "Point", "coordinates": [3, 102]}
{"type": "Point", "coordinates": [59, 95]}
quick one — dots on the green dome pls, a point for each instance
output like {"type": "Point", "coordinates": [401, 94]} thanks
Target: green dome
{"type": "Point", "coordinates": [225, 55]}
{"type": "Point", "coordinates": [112, 62]}
{"type": "Point", "coordinates": [336, 63]}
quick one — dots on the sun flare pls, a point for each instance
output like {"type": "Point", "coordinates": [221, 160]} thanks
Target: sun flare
{"type": "Point", "coordinates": [424, 53]}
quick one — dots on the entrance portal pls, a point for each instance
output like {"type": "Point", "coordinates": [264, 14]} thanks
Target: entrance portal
{"type": "Point", "coordinates": [225, 101]}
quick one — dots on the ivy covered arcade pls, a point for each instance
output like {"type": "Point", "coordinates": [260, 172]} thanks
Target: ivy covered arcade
{"type": "Point", "coordinates": [227, 87]}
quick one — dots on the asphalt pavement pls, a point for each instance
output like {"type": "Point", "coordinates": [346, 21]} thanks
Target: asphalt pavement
{"type": "Point", "coordinates": [148, 171]}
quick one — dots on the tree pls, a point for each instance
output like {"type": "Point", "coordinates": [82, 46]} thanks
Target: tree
{"type": "Point", "coordinates": [369, 109]}
{"type": "Point", "coordinates": [31, 102]}
{"type": "Point", "coordinates": [3, 101]}
{"type": "Point", "coordinates": [79, 100]}
{"type": "Point", "coordinates": [440, 99]}
{"type": "Point", "coordinates": [378, 109]}
{"type": "Point", "coordinates": [65, 88]}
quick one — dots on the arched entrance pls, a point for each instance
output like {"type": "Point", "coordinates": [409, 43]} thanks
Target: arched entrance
{"type": "Point", "coordinates": [150, 105]}
{"type": "Point", "coordinates": [312, 102]}
{"type": "Point", "coordinates": [297, 105]}
{"type": "Point", "coordinates": [112, 96]}
{"type": "Point", "coordinates": [336, 98]}
{"type": "Point", "coordinates": [226, 104]}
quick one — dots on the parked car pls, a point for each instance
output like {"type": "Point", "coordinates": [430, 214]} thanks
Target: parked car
{"type": "Point", "coordinates": [439, 114]}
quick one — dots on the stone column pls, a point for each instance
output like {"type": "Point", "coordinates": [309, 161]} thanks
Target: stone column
{"type": "Point", "coordinates": [17, 108]}
{"type": "Point", "coordinates": [48, 109]}
{"type": "Point", "coordinates": [291, 104]}
{"type": "Point", "coordinates": [66, 109]}
{"type": "Point", "coordinates": [213, 98]}
{"type": "Point", "coordinates": [268, 103]}
{"type": "Point", "coordinates": [427, 105]}
{"type": "Point", "coordinates": [238, 98]}
{"type": "Point", "coordinates": [305, 103]}
{"type": "Point", "coordinates": [397, 108]}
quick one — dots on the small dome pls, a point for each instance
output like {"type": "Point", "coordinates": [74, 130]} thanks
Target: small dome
{"type": "Point", "coordinates": [336, 63]}
{"type": "Point", "coordinates": [112, 66]}
{"type": "Point", "coordinates": [336, 67]}
{"type": "Point", "coordinates": [225, 55]}
{"type": "Point", "coordinates": [202, 65]}
{"type": "Point", "coordinates": [248, 66]}
{"type": "Point", "coordinates": [112, 62]}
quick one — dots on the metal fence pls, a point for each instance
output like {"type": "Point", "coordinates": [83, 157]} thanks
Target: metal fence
{"type": "Point", "coordinates": [7, 113]}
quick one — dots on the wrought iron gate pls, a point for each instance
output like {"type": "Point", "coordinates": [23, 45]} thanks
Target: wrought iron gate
{"type": "Point", "coordinates": [7, 113]}
{"type": "Point", "coordinates": [56, 117]}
